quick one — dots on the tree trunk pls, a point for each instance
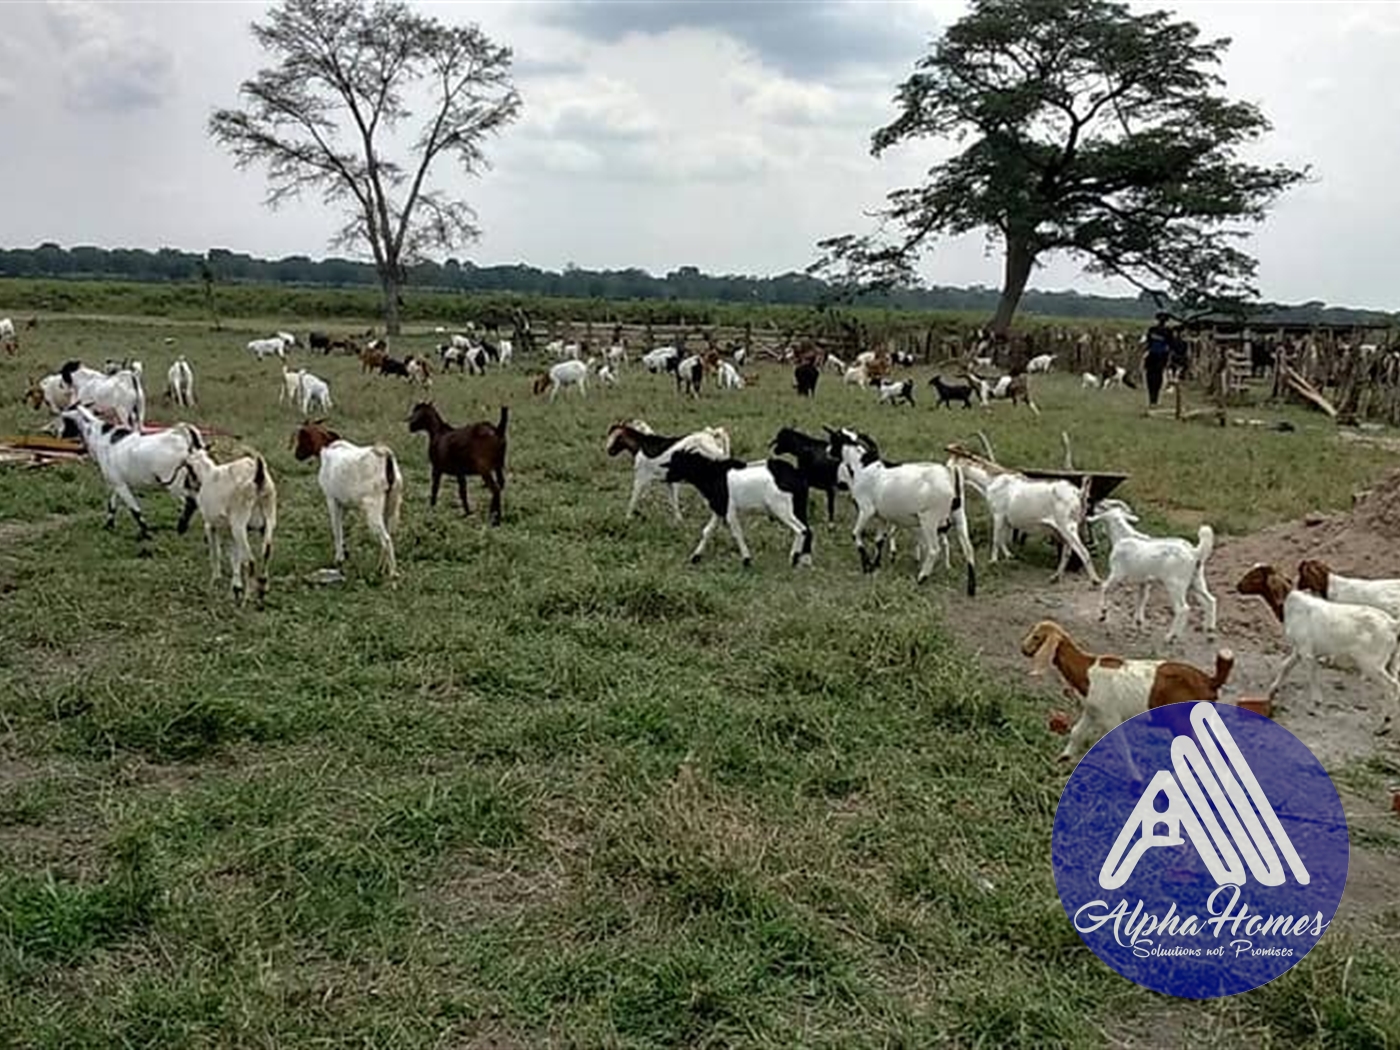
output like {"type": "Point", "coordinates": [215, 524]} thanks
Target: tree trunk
{"type": "Point", "coordinates": [390, 280]}
{"type": "Point", "coordinates": [1019, 260]}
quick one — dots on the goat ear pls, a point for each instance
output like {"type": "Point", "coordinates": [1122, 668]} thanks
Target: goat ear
{"type": "Point", "coordinates": [1044, 657]}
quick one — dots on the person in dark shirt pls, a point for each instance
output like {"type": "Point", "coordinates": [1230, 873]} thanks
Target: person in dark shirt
{"type": "Point", "coordinates": [1160, 340]}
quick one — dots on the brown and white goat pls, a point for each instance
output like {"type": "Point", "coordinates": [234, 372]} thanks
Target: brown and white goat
{"type": "Point", "coordinates": [1114, 689]}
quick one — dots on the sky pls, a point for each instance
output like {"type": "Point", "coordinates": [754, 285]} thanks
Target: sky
{"type": "Point", "coordinates": [730, 136]}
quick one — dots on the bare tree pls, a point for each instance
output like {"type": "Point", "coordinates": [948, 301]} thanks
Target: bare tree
{"type": "Point", "coordinates": [344, 68]}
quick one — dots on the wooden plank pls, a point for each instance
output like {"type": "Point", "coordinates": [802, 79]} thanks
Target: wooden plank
{"type": "Point", "coordinates": [1309, 393]}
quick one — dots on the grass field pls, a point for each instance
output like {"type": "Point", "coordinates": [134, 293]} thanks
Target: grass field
{"type": "Point", "coordinates": [560, 787]}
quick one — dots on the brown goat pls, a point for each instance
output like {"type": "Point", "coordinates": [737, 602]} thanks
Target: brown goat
{"type": "Point", "coordinates": [372, 360]}
{"type": "Point", "coordinates": [541, 384]}
{"type": "Point", "coordinates": [1049, 644]}
{"type": "Point", "coordinates": [478, 449]}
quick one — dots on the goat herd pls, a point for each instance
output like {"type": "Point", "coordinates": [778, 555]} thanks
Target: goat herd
{"type": "Point", "coordinates": [1326, 616]}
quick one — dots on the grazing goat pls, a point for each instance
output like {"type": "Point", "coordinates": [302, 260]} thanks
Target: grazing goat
{"type": "Point", "coordinates": [662, 359]}
{"type": "Point", "coordinates": [1318, 577]}
{"type": "Point", "coordinates": [564, 374]}
{"type": "Point", "coordinates": [729, 377]}
{"type": "Point", "coordinates": [233, 498]}
{"type": "Point", "coordinates": [1357, 635]}
{"type": "Point", "coordinates": [1041, 362]}
{"type": "Point", "coordinates": [476, 450]}
{"type": "Point", "coordinates": [1019, 503]}
{"type": "Point", "coordinates": [130, 460]}
{"type": "Point", "coordinates": [179, 383]}
{"type": "Point", "coordinates": [355, 476]}
{"type": "Point", "coordinates": [805, 378]}
{"type": "Point", "coordinates": [731, 485]}
{"type": "Point", "coordinates": [319, 341]}
{"type": "Point", "coordinates": [606, 376]}
{"type": "Point", "coordinates": [820, 469]}
{"type": "Point", "coordinates": [892, 391]}
{"type": "Point", "coordinates": [950, 392]}
{"type": "Point", "coordinates": [1089, 381]}
{"type": "Point", "coordinates": [928, 495]}
{"type": "Point", "coordinates": [1117, 375]}
{"type": "Point", "coordinates": [1113, 689]}
{"type": "Point", "coordinates": [314, 390]}
{"type": "Point", "coordinates": [1137, 558]}
{"type": "Point", "coordinates": [617, 355]}
{"type": "Point", "coordinates": [261, 348]}
{"type": "Point", "coordinates": [741, 355]}
{"type": "Point", "coordinates": [392, 366]}
{"type": "Point", "coordinates": [651, 453]}
{"type": "Point", "coordinates": [59, 390]}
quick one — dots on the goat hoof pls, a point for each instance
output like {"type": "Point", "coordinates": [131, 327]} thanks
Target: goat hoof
{"type": "Point", "coordinates": [695, 559]}
{"type": "Point", "coordinates": [748, 563]}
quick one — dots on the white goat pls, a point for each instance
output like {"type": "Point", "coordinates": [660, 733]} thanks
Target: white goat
{"type": "Point", "coordinates": [893, 391]}
{"type": "Point", "coordinates": [1348, 635]}
{"type": "Point", "coordinates": [1089, 381]}
{"type": "Point", "coordinates": [290, 390]}
{"type": "Point", "coordinates": [261, 348]}
{"type": "Point", "coordinates": [132, 461]}
{"type": "Point", "coordinates": [418, 371]}
{"type": "Point", "coordinates": [121, 392]}
{"type": "Point", "coordinates": [606, 376]}
{"type": "Point", "coordinates": [1019, 503]}
{"type": "Point", "coordinates": [1317, 576]}
{"type": "Point", "coordinates": [1137, 558]}
{"type": "Point", "coordinates": [353, 475]}
{"type": "Point", "coordinates": [231, 498]}
{"type": "Point", "coordinates": [856, 376]}
{"type": "Point", "coordinates": [288, 338]}
{"type": "Point", "coordinates": [565, 374]}
{"type": "Point", "coordinates": [659, 359]}
{"type": "Point", "coordinates": [729, 377]}
{"type": "Point", "coordinates": [928, 495]}
{"type": "Point", "coordinates": [651, 454]}
{"type": "Point", "coordinates": [314, 391]}
{"type": "Point", "coordinates": [180, 383]}
{"type": "Point", "coordinates": [740, 356]}
{"type": "Point", "coordinates": [505, 350]}
{"type": "Point", "coordinates": [1116, 379]}
{"type": "Point", "coordinates": [461, 342]}
{"type": "Point", "coordinates": [617, 355]}
{"type": "Point", "coordinates": [1040, 362]}
{"type": "Point", "coordinates": [836, 364]}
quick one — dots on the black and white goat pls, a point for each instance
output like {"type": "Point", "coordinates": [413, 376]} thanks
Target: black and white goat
{"type": "Point", "coordinates": [819, 467]}
{"type": "Point", "coordinates": [731, 485]}
{"type": "Point", "coordinates": [950, 392]}
{"type": "Point", "coordinates": [131, 461]}
{"type": "Point", "coordinates": [893, 391]}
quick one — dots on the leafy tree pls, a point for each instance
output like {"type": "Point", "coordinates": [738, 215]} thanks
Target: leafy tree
{"type": "Point", "coordinates": [343, 66]}
{"type": "Point", "coordinates": [1090, 130]}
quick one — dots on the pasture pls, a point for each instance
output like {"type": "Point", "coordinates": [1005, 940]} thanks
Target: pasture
{"type": "Point", "coordinates": [560, 786]}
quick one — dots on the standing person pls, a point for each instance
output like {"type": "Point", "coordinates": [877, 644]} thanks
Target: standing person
{"type": "Point", "coordinates": [1155, 360]}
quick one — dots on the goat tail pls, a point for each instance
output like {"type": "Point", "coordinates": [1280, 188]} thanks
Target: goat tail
{"type": "Point", "coordinates": [1205, 544]}
{"type": "Point", "coordinates": [960, 523]}
{"type": "Point", "coordinates": [393, 495]}
{"type": "Point", "coordinates": [260, 474]}
{"type": "Point", "coordinates": [193, 438]}
{"type": "Point", "coordinates": [503, 421]}
{"type": "Point", "coordinates": [1224, 664]}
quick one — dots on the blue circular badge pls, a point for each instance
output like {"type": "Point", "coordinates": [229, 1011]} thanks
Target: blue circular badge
{"type": "Point", "coordinates": [1200, 850]}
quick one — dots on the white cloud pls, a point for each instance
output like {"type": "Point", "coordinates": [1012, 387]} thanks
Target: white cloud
{"type": "Point", "coordinates": [106, 63]}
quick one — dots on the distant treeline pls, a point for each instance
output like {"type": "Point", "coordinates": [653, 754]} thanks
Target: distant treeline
{"type": "Point", "coordinates": [686, 284]}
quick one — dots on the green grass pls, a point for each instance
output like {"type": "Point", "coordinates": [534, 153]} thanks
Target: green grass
{"type": "Point", "coordinates": [560, 786]}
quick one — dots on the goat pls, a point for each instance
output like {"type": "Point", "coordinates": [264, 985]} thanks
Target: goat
{"type": "Point", "coordinates": [1014, 388]}
{"type": "Point", "coordinates": [1318, 578]}
{"type": "Point", "coordinates": [814, 459]}
{"type": "Point", "coordinates": [233, 498]}
{"type": "Point", "coordinates": [288, 338]}
{"type": "Point", "coordinates": [478, 449]}
{"type": "Point", "coordinates": [950, 392]}
{"type": "Point", "coordinates": [121, 392]}
{"type": "Point", "coordinates": [617, 355]}
{"type": "Point", "coordinates": [892, 392]}
{"type": "Point", "coordinates": [1360, 635]}
{"type": "Point", "coordinates": [290, 390]}
{"type": "Point", "coordinates": [741, 354]}
{"type": "Point", "coordinates": [651, 453]}
{"type": "Point", "coordinates": [689, 374]}
{"type": "Point", "coordinates": [805, 378]}
{"type": "Point", "coordinates": [1141, 559]}
{"type": "Point", "coordinates": [729, 377]}
{"type": "Point", "coordinates": [319, 341]}
{"type": "Point", "coordinates": [418, 371]}
{"type": "Point", "coordinates": [1089, 381]}
{"type": "Point", "coordinates": [928, 495]}
{"type": "Point", "coordinates": [131, 461]}
{"type": "Point", "coordinates": [731, 485]}
{"type": "Point", "coordinates": [505, 351]}
{"type": "Point", "coordinates": [180, 383]}
{"type": "Point", "coordinates": [1041, 362]}
{"type": "Point", "coordinates": [1114, 689]}
{"type": "Point", "coordinates": [59, 390]}
{"type": "Point", "coordinates": [314, 390]}
{"type": "Point", "coordinates": [372, 360]}
{"type": "Point", "coordinates": [392, 366]}
{"type": "Point", "coordinates": [564, 374]}
{"type": "Point", "coordinates": [261, 348]}
{"type": "Point", "coordinates": [353, 475]}
{"type": "Point", "coordinates": [606, 376]}
{"type": "Point", "coordinates": [836, 364]}
{"type": "Point", "coordinates": [1019, 503]}
{"type": "Point", "coordinates": [662, 359]}
{"type": "Point", "coordinates": [856, 375]}
{"type": "Point", "coordinates": [1117, 374]}
{"type": "Point", "coordinates": [451, 355]}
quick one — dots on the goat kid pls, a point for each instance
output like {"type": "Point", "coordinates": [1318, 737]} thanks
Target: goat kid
{"type": "Point", "coordinates": [179, 382]}
{"type": "Point", "coordinates": [651, 455]}
{"type": "Point", "coordinates": [232, 498]}
{"type": "Point", "coordinates": [731, 485]}
{"type": "Point", "coordinates": [893, 392]}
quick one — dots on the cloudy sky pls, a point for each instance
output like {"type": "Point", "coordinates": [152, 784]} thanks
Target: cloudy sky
{"type": "Point", "coordinates": [724, 135]}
